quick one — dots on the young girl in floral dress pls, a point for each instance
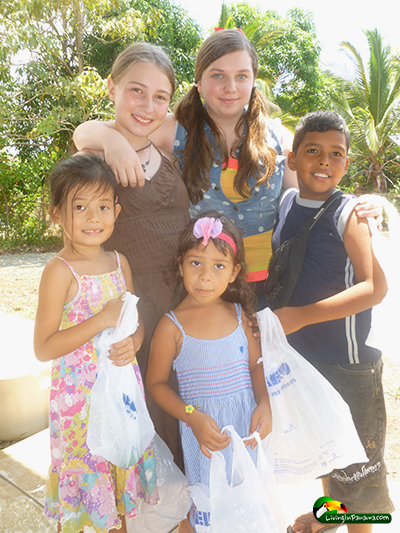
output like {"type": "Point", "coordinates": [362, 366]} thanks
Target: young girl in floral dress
{"type": "Point", "coordinates": [81, 294]}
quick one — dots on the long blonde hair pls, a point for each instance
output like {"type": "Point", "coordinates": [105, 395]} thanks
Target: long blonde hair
{"type": "Point", "coordinates": [198, 154]}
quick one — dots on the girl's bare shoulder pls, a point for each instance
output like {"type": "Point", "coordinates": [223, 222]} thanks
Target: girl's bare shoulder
{"type": "Point", "coordinates": [57, 266]}
{"type": "Point", "coordinates": [170, 157]}
{"type": "Point", "coordinates": [122, 259]}
{"type": "Point", "coordinates": [167, 332]}
{"type": "Point", "coordinates": [57, 277]}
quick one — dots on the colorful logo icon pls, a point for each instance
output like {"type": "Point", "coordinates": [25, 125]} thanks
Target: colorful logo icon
{"type": "Point", "coordinates": [328, 511]}
{"type": "Point", "coordinates": [327, 506]}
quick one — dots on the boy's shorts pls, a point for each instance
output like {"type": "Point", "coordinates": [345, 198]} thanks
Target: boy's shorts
{"type": "Point", "coordinates": [362, 487]}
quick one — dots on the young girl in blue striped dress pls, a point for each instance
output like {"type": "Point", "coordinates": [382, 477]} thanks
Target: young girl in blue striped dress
{"type": "Point", "coordinates": [208, 342]}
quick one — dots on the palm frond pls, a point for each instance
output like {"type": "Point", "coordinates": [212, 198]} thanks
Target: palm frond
{"type": "Point", "coordinates": [226, 21]}
{"type": "Point", "coordinates": [379, 75]}
{"type": "Point", "coordinates": [361, 76]}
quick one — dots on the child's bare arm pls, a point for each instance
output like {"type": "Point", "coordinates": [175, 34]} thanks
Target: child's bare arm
{"type": "Point", "coordinates": [117, 152]}
{"type": "Point", "coordinates": [369, 290]}
{"type": "Point", "coordinates": [164, 347]}
{"type": "Point", "coordinates": [261, 419]}
{"type": "Point", "coordinates": [122, 353]}
{"type": "Point", "coordinates": [51, 343]}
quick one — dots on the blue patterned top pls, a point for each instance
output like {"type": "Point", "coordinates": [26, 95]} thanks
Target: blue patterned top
{"type": "Point", "coordinates": [255, 215]}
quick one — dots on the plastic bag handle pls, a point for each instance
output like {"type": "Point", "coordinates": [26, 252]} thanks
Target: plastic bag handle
{"type": "Point", "coordinates": [236, 439]}
{"type": "Point", "coordinates": [254, 435]}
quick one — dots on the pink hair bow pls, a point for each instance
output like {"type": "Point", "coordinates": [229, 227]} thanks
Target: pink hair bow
{"type": "Point", "coordinates": [238, 29]}
{"type": "Point", "coordinates": [208, 227]}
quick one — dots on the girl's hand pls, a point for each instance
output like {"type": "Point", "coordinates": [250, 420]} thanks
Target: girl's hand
{"type": "Point", "coordinates": [207, 433]}
{"type": "Point", "coordinates": [261, 421]}
{"type": "Point", "coordinates": [370, 207]}
{"type": "Point", "coordinates": [123, 352]}
{"type": "Point", "coordinates": [253, 324]}
{"type": "Point", "coordinates": [103, 139]}
{"type": "Point", "coordinates": [124, 161]}
{"type": "Point", "coordinates": [111, 311]}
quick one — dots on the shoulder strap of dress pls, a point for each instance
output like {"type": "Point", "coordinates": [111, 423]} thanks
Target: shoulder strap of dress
{"type": "Point", "coordinates": [158, 150]}
{"type": "Point", "coordinates": [118, 259]}
{"type": "Point", "coordinates": [239, 313]}
{"type": "Point", "coordinates": [68, 265]}
{"type": "Point", "coordinates": [171, 315]}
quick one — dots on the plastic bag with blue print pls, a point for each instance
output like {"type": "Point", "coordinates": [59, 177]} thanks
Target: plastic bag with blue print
{"type": "Point", "coordinates": [313, 431]}
{"type": "Point", "coordinates": [120, 428]}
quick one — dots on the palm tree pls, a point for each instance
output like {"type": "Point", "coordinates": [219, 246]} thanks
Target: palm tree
{"type": "Point", "coordinates": [370, 104]}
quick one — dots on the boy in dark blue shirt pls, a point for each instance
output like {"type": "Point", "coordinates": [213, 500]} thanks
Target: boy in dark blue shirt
{"type": "Point", "coordinates": [330, 313]}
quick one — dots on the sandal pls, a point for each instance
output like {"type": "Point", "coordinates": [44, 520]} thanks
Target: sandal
{"type": "Point", "coordinates": [306, 520]}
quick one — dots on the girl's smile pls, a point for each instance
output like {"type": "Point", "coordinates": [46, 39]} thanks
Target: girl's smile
{"type": "Point", "coordinates": [141, 97]}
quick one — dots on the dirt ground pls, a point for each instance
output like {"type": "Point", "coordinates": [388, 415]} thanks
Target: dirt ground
{"type": "Point", "coordinates": [19, 283]}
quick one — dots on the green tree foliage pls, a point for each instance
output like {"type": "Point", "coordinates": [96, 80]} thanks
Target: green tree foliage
{"type": "Point", "coordinates": [69, 47]}
{"type": "Point", "coordinates": [54, 60]}
{"type": "Point", "coordinates": [370, 103]}
{"type": "Point", "coordinates": [164, 24]}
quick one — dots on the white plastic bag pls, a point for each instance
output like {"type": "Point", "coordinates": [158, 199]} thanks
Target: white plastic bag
{"type": "Point", "coordinates": [312, 428]}
{"type": "Point", "coordinates": [383, 334]}
{"type": "Point", "coordinates": [174, 498]}
{"type": "Point", "coordinates": [119, 428]}
{"type": "Point", "coordinates": [201, 498]}
{"type": "Point", "coordinates": [265, 470]}
{"type": "Point", "coordinates": [241, 505]}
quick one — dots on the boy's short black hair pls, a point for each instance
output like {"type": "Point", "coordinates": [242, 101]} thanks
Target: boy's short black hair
{"type": "Point", "coordinates": [321, 121]}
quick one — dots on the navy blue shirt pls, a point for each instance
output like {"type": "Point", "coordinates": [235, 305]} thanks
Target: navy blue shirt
{"type": "Point", "coordinates": [327, 270]}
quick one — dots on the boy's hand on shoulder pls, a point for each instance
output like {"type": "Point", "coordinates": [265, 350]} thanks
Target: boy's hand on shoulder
{"type": "Point", "coordinates": [253, 324]}
{"type": "Point", "coordinates": [207, 433]}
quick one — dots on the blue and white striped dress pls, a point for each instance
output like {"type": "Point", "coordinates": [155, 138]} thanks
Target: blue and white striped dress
{"type": "Point", "coordinates": [214, 374]}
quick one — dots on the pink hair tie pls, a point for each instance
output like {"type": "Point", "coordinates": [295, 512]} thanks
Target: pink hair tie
{"type": "Point", "coordinates": [238, 29]}
{"type": "Point", "coordinates": [207, 228]}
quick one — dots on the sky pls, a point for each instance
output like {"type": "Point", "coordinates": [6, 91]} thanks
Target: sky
{"type": "Point", "coordinates": [335, 21]}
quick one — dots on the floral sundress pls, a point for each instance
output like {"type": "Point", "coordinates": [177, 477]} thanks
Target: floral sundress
{"type": "Point", "coordinates": [85, 489]}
